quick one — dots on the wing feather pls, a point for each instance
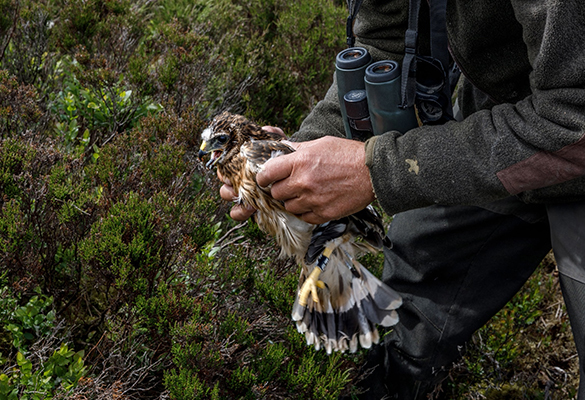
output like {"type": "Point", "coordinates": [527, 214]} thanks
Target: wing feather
{"type": "Point", "coordinates": [257, 152]}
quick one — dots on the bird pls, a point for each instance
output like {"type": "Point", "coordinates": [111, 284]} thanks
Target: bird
{"type": "Point", "coordinates": [339, 303]}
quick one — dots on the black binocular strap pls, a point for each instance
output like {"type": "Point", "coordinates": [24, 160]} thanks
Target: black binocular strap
{"type": "Point", "coordinates": [408, 82]}
{"type": "Point", "coordinates": [353, 7]}
{"type": "Point", "coordinates": [440, 46]}
{"type": "Point", "coordinates": [439, 49]}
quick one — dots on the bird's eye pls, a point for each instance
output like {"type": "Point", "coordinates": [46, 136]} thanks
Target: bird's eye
{"type": "Point", "coordinates": [222, 139]}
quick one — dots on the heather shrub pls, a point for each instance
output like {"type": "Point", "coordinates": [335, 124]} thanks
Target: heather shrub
{"type": "Point", "coordinates": [19, 108]}
{"type": "Point", "coordinates": [31, 31]}
{"type": "Point", "coordinates": [122, 275]}
{"type": "Point", "coordinates": [33, 364]}
{"type": "Point", "coordinates": [8, 17]}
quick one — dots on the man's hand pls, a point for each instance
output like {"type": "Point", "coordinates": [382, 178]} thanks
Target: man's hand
{"type": "Point", "coordinates": [322, 180]}
{"type": "Point", "coordinates": [240, 212]}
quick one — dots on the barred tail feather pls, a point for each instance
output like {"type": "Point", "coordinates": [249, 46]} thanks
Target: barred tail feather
{"type": "Point", "coordinates": [352, 304]}
{"type": "Point", "coordinates": [381, 303]}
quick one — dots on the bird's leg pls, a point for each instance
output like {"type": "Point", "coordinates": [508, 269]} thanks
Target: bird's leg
{"type": "Point", "coordinates": [310, 287]}
{"type": "Point", "coordinates": [312, 282]}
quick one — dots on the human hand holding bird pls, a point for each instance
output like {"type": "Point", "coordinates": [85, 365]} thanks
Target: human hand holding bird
{"type": "Point", "coordinates": [339, 302]}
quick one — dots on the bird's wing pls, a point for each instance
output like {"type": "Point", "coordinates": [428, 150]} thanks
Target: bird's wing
{"type": "Point", "coordinates": [257, 152]}
{"type": "Point", "coordinates": [322, 235]}
{"type": "Point", "coordinates": [365, 224]}
{"type": "Point", "coordinates": [351, 301]}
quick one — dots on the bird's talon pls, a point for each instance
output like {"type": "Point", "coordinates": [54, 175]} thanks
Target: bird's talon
{"type": "Point", "coordinates": [310, 286]}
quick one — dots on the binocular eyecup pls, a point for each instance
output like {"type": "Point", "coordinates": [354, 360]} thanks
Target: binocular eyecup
{"type": "Point", "coordinates": [430, 84]}
{"type": "Point", "coordinates": [370, 94]}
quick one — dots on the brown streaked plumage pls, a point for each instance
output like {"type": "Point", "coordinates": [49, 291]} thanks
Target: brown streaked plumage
{"type": "Point", "coordinates": [339, 302]}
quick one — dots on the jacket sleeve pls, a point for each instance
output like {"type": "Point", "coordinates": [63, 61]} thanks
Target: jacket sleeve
{"type": "Point", "coordinates": [532, 147]}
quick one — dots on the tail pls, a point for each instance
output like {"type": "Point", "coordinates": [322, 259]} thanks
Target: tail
{"type": "Point", "coordinates": [351, 304]}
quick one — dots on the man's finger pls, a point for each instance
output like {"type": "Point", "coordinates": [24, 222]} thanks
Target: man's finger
{"type": "Point", "coordinates": [295, 206]}
{"type": "Point", "coordinates": [227, 192]}
{"type": "Point", "coordinates": [274, 129]}
{"type": "Point", "coordinates": [313, 218]}
{"type": "Point", "coordinates": [241, 213]}
{"type": "Point", "coordinates": [275, 170]}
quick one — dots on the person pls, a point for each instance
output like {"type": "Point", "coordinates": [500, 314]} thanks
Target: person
{"type": "Point", "coordinates": [478, 201]}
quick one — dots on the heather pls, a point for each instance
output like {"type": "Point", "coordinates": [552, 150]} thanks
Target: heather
{"type": "Point", "coordinates": [121, 275]}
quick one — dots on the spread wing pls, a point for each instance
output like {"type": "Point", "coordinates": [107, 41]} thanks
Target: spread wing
{"type": "Point", "coordinates": [352, 300]}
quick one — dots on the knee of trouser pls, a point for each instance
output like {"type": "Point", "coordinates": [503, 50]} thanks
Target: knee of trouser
{"type": "Point", "coordinates": [416, 348]}
{"type": "Point", "coordinates": [427, 369]}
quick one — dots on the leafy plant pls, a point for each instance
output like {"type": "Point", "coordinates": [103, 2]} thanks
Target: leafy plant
{"type": "Point", "coordinates": [61, 372]}
{"type": "Point", "coordinates": [29, 322]}
{"type": "Point", "coordinates": [31, 327]}
{"type": "Point", "coordinates": [98, 111]}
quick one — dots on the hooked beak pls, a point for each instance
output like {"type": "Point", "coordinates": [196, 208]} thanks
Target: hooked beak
{"type": "Point", "coordinates": [215, 154]}
{"type": "Point", "coordinates": [202, 153]}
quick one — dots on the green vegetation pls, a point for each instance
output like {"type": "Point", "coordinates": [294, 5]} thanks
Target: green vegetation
{"type": "Point", "coordinates": [120, 274]}
{"type": "Point", "coordinates": [525, 352]}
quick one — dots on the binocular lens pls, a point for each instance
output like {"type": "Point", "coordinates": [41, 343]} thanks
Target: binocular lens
{"type": "Point", "coordinates": [382, 71]}
{"type": "Point", "coordinates": [352, 55]}
{"type": "Point", "coordinates": [355, 57]}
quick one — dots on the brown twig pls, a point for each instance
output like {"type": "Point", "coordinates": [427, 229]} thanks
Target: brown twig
{"type": "Point", "coordinates": [235, 228]}
{"type": "Point", "coordinates": [8, 37]}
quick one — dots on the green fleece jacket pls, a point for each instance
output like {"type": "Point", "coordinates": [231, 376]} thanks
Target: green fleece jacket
{"type": "Point", "coordinates": [522, 98]}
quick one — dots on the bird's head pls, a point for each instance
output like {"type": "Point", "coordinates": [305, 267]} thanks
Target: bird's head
{"type": "Point", "coordinates": [216, 144]}
{"type": "Point", "coordinates": [224, 136]}
{"type": "Point", "coordinates": [220, 139]}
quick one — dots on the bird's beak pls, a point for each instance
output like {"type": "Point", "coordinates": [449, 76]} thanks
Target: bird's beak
{"type": "Point", "coordinates": [202, 153]}
{"type": "Point", "coordinates": [215, 154]}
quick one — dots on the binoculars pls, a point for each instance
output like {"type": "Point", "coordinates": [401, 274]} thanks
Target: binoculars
{"type": "Point", "coordinates": [370, 95]}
